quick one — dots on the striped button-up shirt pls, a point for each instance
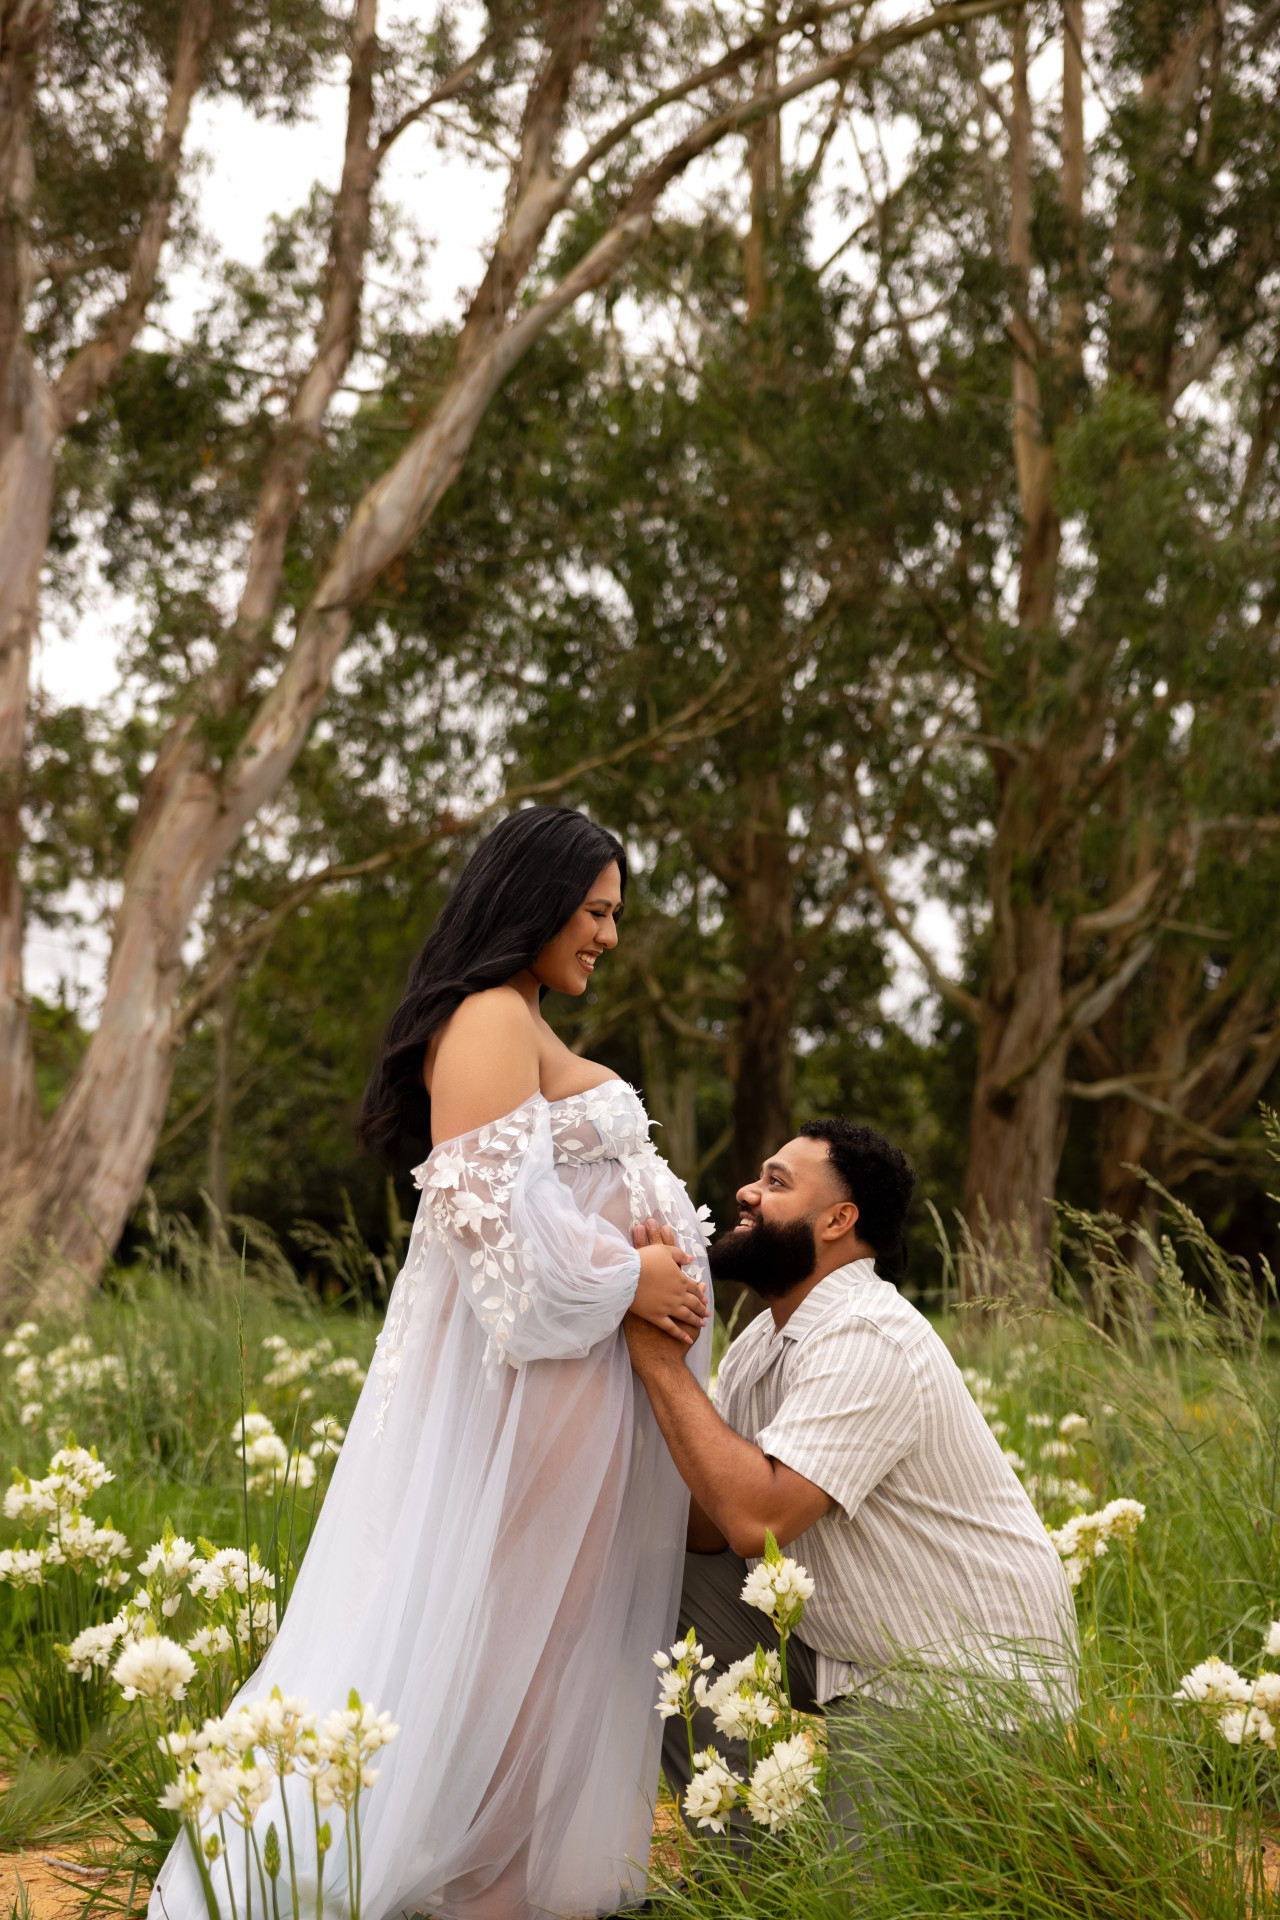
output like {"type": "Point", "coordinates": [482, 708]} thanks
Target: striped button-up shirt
{"type": "Point", "coordinates": [932, 1554]}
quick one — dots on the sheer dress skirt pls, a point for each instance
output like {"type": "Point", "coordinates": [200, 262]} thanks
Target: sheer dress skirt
{"type": "Point", "coordinates": [501, 1547]}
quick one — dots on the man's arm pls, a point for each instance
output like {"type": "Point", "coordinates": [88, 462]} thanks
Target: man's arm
{"type": "Point", "coordinates": [738, 1492]}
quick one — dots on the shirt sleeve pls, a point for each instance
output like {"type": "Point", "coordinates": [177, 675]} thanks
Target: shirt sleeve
{"type": "Point", "coordinates": [850, 1413]}
{"type": "Point", "coordinates": [545, 1280]}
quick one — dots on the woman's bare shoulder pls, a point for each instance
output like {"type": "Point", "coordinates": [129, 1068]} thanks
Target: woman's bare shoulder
{"type": "Point", "coordinates": [485, 1063]}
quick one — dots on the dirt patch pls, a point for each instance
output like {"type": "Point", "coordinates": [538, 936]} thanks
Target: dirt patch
{"type": "Point", "coordinates": [54, 1885]}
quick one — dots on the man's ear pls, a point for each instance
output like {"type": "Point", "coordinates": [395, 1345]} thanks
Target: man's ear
{"type": "Point", "coordinates": [842, 1221]}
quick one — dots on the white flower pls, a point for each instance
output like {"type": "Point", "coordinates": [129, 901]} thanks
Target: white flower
{"type": "Point", "coordinates": [783, 1781]}
{"type": "Point", "coordinates": [154, 1667]}
{"type": "Point", "coordinates": [29, 1501]}
{"type": "Point", "coordinates": [80, 1541]}
{"type": "Point", "coordinates": [1120, 1518]}
{"type": "Point", "coordinates": [348, 1738]}
{"type": "Point", "coordinates": [1015, 1459]}
{"type": "Point", "coordinates": [1242, 1729]}
{"type": "Point", "coordinates": [1040, 1420]}
{"type": "Point", "coordinates": [92, 1647]}
{"type": "Point", "coordinates": [1271, 1645]}
{"type": "Point", "coordinates": [302, 1471]}
{"type": "Point", "coordinates": [16, 1346]}
{"type": "Point", "coordinates": [330, 1435]}
{"type": "Point", "coordinates": [22, 1566]}
{"type": "Point", "coordinates": [743, 1712]}
{"type": "Point", "coordinates": [183, 1794]}
{"type": "Point", "coordinates": [707, 1225]}
{"type": "Point", "coordinates": [1213, 1683]}
{"type": "Point", "coordinates": [209, 1643]}
{"type": "Point", "coordinates": [183, 1745]}
{"type": "Point", "coordinates": [709, 1797]}
{"type": "Point", "coordinates": [779, 1588]}
{"type": "Point", "coordinates": [283, 1726]}
{"type": "Point", "coordinates": [31, 1413]}
{"type": "Point", "coordinates": [81, 1470]}
{"type": "Point", "coordinates": [166, 1565]}
{"type": "Point", "coordinates": [264, 1622]}
{"type": "Point", "coordinates": [252, 1426]}
{"type": "Point", "coordinates": [1266, 1694]}
{"type": "Point", "coordinates": [345, 1368]}
{"type": "Point", "coordinates": [998, 1427]}
{"type": "Point", "coordinates": [671, 1692]}
{"type": "Point", "coordinates": [1057, 1450]}
{"type": "Point", "coordinates": [1073, 1426]}
{"type": "Point", "coordinates": [230, 1568]}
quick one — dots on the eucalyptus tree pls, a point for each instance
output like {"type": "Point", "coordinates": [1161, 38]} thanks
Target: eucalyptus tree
{"type": "Point", "coordinates": [95, 104]}
{"type": "Point", "coordinates": [638, 97]}
{"type": "Point", "coordinates": [1086, 345]}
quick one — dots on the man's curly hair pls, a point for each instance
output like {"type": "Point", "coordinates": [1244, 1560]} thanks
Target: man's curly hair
{"type": "Point", "coordinates": [876, 1175]}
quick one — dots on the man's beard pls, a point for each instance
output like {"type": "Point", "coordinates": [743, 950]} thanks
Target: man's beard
{"type": "Point", "coordinates": [767, 1258]}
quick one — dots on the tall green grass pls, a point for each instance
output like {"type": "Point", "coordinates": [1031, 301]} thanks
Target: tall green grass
{"type": "Point", "coordinates": [1134, 1810]}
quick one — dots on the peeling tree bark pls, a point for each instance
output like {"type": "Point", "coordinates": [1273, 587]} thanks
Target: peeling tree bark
{"type": "Point", "coordinates": [1016, 1129]}
{"type": "Point", "coordinates": [34, 414]}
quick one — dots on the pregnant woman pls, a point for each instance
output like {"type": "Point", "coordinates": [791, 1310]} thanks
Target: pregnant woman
{"type": "Point", "coordinates": [501, 1548]}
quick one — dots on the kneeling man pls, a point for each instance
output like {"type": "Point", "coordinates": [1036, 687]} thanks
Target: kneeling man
{"type": "Point", "coordinates": [841, 1424]}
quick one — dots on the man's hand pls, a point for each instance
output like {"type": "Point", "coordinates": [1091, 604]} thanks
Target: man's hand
{"type": "Point", "coordinates": [650, 1348]}
{"type": "Point", "coordinates": [738, 1492]}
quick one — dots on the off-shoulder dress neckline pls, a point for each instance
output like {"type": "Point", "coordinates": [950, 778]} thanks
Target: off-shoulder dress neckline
{"type": "Point", "coordinates": [501, 1119]}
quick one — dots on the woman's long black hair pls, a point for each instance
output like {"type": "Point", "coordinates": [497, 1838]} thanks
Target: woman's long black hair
{"type": "Point", "coordinates": [519, 888]}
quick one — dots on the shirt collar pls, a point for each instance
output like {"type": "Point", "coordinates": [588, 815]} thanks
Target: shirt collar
{"type": "Point", "coordinates": [816, 1305]}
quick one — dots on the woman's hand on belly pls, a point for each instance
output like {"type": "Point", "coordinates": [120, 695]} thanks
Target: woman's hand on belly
{"type": "Point", "coordinates": [666, 1296]}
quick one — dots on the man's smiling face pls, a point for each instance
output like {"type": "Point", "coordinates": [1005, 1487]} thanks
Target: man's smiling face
{"type": "Point", "coordinates": [774, 1246]}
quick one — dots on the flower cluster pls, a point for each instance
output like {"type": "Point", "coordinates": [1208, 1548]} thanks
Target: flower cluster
{"type": "Point", "coordinates": [229, 1766]}
{"type": "Point", "coordinates": [1244, 1712]}
{"type": "Point", "coordinates": [779, 1587]}
{"type": "Point", "coordinates": [268, 1458]}
{"type": "Point", "coordinates": [65, 1378]}
{"type": "Point", "coordinates": [676, 1675]}
{"type": "Point", "coordinates": [750, 1701]}
{"type": "Point", "coordinates": [289, 1365]}
{"type": "Point", "coordinates": [232, 1592]}
{"type": "Point", "coordinates": [746, 1700]}
{"type": "Point", "coordinates": [52, 1506]}
{"type": "Point", "coordinates": [1085, 1538]}
{"type": "Point", "coordinates": [784, 1780]}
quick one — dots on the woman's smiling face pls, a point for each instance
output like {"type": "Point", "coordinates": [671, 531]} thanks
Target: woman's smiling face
{"type": "Point", "coordinates": [566, 963]}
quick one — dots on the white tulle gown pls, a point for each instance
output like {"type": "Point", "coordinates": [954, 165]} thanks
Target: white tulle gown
{"type": "Point", "coordinates": [501, 1548]}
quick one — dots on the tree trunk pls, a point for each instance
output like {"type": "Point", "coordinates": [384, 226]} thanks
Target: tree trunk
{"type": "Point", "coordinates": [26, 494]}
{"type": "Point", "coordinates": [33, 416]}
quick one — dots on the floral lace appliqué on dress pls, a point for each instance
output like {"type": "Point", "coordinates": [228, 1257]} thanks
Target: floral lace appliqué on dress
{"type": "Point", "coordinates": [492, 1196]}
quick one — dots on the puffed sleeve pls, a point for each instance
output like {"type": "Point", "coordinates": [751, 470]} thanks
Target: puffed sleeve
{"type": "Point", "coordinates": [545, 1280]}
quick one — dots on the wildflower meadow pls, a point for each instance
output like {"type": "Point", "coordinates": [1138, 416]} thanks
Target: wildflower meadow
{"type": "Point", "coordinates": [170, 1451]}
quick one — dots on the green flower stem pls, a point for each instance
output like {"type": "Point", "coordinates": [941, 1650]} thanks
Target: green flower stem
{"type": "Point", "coordinates": [355, 1821]}
{"type": "Point", "coordinates": [288, 1835]}
{"type": "Point", "coordinates": [226, 1867]}
{"type": "Point", "coordinates": [262, 1878]}
{"type": "Point", "coordinates": [315, 1801]}
{"type": "Point", "coordinates": [192, 1826]}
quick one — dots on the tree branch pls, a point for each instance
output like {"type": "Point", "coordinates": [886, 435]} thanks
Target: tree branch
{"type": "Point", "coordinates": [88, 371]}
{"type": "Point", "coordinates": [238, 953]}
{"type": "Point", "coordinates": [1123, 1089]}
{"type": "Point", "coordinates": [951, 990]}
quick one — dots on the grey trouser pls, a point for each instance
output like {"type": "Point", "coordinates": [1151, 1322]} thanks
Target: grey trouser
{"type": "Point", "coordinates": [711, 1603]}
